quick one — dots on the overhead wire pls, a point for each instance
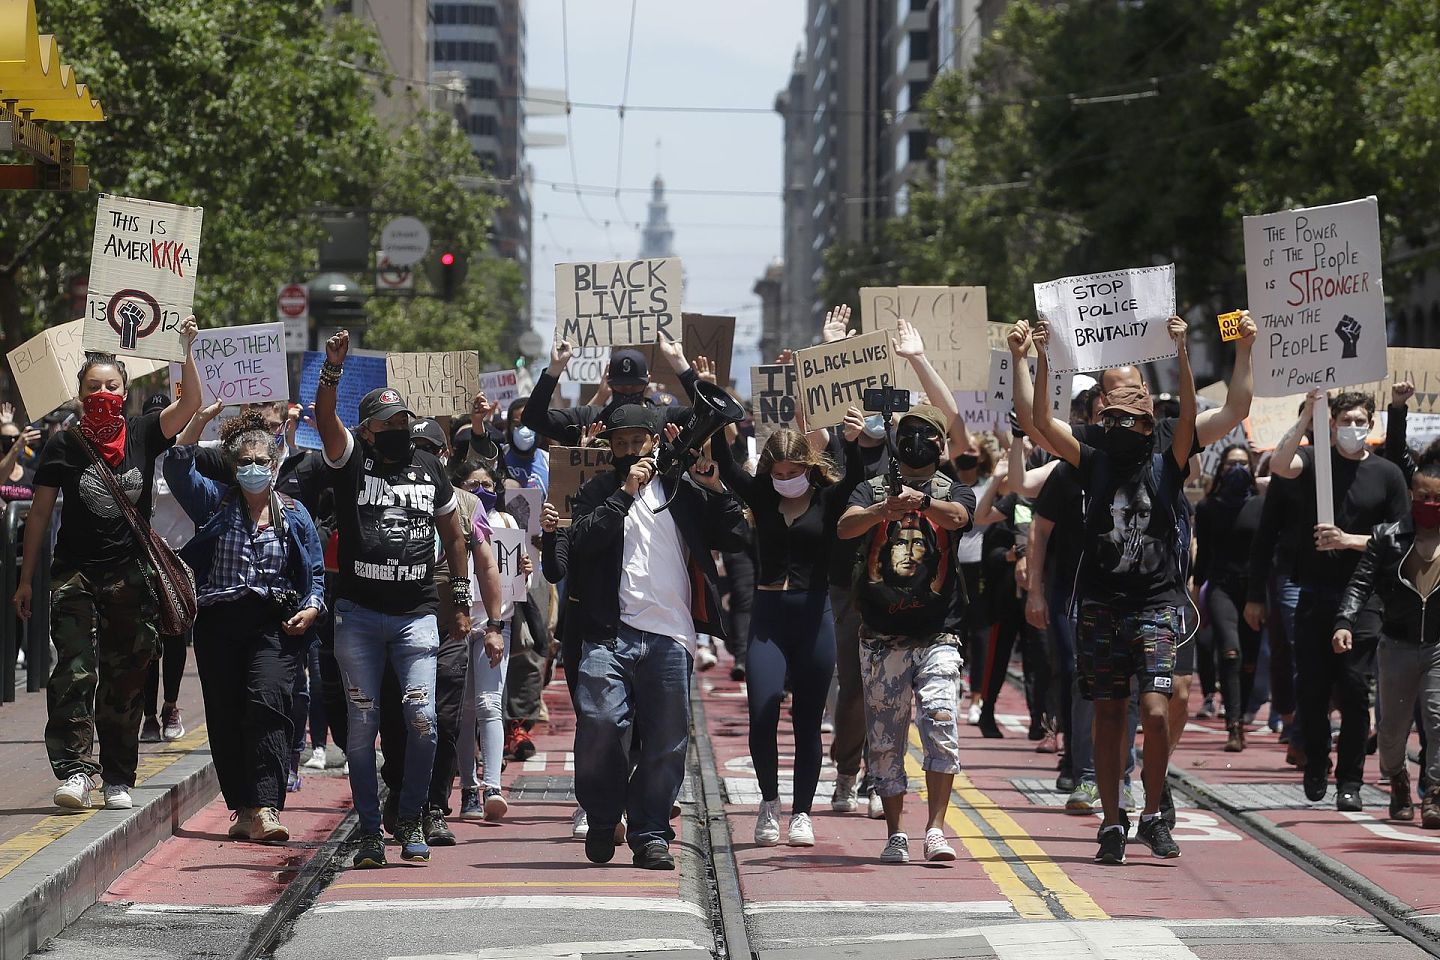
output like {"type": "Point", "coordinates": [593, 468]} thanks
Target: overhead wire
{"type": "Point", "coordinates": [569, 124]}
{"type": "Point", "coordinates": [624, 95]}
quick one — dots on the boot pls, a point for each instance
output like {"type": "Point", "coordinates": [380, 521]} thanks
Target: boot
{"type": "Point", "coordinates": [1236, 741]}
{"type": "Point", "coordinates": [1401, 805]}
{"type": "Point", "coordinates": [1430, 808]}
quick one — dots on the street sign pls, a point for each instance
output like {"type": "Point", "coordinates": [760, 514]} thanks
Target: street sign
{"type": "Point", "coordinates": [392, 276]}
{"type": "Point", "coordinates": [531, 344]}
{"type": "Point", "coordinates": [405, 241]}
{"type": "Point", "coordinates": [292, 302]}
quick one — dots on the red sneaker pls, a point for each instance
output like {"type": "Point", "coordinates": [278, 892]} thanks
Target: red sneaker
{"type": "Point", "coordinates": [522, 746]}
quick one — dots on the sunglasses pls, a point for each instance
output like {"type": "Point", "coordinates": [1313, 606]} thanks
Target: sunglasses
{"type": "Point", "coordinates": [255, 462]}
{"type": "Point", "coordinates": [1110, 422]}
{"type": "Point", "coordinates": [478, 485]}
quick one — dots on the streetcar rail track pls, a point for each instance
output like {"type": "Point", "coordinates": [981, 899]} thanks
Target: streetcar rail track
{"type": "Point", "coordinates": [727, 905]}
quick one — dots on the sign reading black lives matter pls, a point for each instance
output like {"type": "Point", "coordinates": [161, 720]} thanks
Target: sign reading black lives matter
{"type": "Point", "coordinates": [1315, 296]}
{"type": "Point", "coordinates": [1108, 319]}
{"type": "Point", "coordinates": [142, 277]}
{"type": "Point", "coordinates": [618, 302]}
{"type": "Point", "coordinates": [833, 377]}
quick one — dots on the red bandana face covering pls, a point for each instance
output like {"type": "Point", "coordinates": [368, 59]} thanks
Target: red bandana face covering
{"type": "Point", "coordinates": [103, 425]}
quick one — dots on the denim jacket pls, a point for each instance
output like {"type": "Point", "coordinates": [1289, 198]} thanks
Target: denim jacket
{"type": "Point", "coordinates": [205, 501]}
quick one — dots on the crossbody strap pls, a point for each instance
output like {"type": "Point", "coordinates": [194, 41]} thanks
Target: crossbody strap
{"type": "Point", "coordinates": [139, 526]}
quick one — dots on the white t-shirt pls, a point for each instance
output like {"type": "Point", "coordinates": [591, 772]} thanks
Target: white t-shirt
{"type": "Point", "coordinates": [968, 550]}
{"type": "Point", "coordinates": [654, 583]}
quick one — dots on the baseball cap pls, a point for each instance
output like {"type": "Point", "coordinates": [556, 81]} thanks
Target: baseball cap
{"type": "Point", "coordinates": [1079, 384]}
{"type": "Point", "coordinates": [430, 432]}
{"type": "Point", "coordinates": [628, 369]}
{"type": "Point", "coordinates": [382, 403]}
{"type": "Point", "coordinates": [627, 416]}
{"type": "Point", "coordinates": [1129, 399]}
{"type": "Point", "coordinates": [928, 414]}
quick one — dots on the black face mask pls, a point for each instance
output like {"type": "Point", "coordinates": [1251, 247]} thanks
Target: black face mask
{"type": "Point", "coordinates": [6, 442]}
{"type": "Point", "coordinates": [917, 450]}
{"type": "Point", "coordinates": [967, 461]}
{"type": "Point", "coordinates": [622, 465]}
{"type": "Point", "coordinates": [394, 446]}
{"type": "Point", "coordinates": [1125, 444]}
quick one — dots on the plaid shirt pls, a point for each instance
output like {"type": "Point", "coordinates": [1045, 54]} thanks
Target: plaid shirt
{"type": "Point", "coordinates": [248, 561]}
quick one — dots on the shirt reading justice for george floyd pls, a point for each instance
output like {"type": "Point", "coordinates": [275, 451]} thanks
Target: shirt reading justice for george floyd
{"type": "Point", "coordinates": [385, 514]}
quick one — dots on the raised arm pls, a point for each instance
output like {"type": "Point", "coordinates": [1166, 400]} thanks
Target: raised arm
{"type": "Point", "coordinates": [334, 437]}
{"type": "Point", "coordinates": [1285, 461]}
{"type": "Point", "coordinates": [1397, 449]}
{"type": "Point", "coordinates": [174, 417]}
{"type": "Point", "coordinates": [555, 424]}
{"type": "Point", "coordinates": [909, 344]}
{"type": "Point", "coordinates": [1212, 426]}
{"type": "Point", "coordinates": [731, 474]}
{"type": "Point", "coordinates": [1183, 441]}
{"type": "Point", "coordinates": [1059, 435]}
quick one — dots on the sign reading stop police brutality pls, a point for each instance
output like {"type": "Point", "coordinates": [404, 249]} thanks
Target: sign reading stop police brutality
{"type": "Point", "coordinates": [1108, 319]}
{"type": "Point", "coordinates": [142, 277]}
{"type": "Point", "coordinates": [618, 302]}
{"type": "Point", "coordinates": [1314, 282]}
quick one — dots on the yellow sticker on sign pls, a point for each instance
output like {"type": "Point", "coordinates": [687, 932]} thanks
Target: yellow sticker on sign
{"type": "Point", "coordinates": [1230, 325]}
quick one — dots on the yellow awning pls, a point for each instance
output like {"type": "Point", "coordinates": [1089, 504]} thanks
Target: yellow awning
{"type": "Point", "coordinates": [32, 74]}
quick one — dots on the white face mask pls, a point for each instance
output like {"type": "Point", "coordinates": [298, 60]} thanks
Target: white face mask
{"type": "Point", "coordinates": [792, 488]}
{"type": "Point", "coordinates": [874, 426]}
{"type": "Point", "coordinates": [1351, 439]}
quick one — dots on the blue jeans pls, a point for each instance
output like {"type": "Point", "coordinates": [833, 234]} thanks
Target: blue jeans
{"type": "Point", "coordinates": [639, 688]}
{"type": "Point", "coordinates": [364, 640]}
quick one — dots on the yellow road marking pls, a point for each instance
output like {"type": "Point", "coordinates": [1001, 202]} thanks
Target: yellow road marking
{"type": "Point", "coordinates": [23, 846]}
{"type": "Point", "coordinates": [474, 885]}
{"type": "Point", "coordinates": [1027, 903]}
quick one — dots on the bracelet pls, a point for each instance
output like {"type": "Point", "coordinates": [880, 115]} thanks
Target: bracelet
{"type": "Point", "coordinates": [494, 626]}
{"type": "Point", "coordinates": [925, 504]}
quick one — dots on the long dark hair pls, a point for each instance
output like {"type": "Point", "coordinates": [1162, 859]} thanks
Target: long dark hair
{"type": "Point", "coordinates": [1220, 469]}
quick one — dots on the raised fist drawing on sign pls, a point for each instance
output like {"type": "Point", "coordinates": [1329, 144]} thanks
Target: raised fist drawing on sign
{"type": "Point", "coordinates": [1348, 330]}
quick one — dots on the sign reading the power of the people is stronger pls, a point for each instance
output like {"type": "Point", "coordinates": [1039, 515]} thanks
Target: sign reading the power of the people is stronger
{"type": "Point", "coordinates": [1315, 295]}
{"type": "Point", "coordinates": [618, 302]}
{"type": "Point", "coordinates": [1108, 319]}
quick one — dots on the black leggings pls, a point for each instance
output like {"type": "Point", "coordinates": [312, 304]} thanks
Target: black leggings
{"type": "Point", "coordinates": [975, 630]}
{"type": "Point", "coordinates": [172, 659]}
{"type": "Point", "coordinates": [1010, 625]}
{"type": "Point", "coordinates": [792, 632]}
{"type": "Point", "coordinates": [1237, 645]}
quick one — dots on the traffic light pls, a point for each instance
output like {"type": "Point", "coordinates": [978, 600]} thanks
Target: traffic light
{"type": "Point", "coordinates": [447, 273]}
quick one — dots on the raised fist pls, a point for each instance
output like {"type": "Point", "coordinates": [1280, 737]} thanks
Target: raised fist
{"type": "Point", "coordinates": [1348, 329]}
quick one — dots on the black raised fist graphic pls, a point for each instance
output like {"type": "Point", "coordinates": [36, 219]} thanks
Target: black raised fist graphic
{"type": "Point", "coordinates": [1348, 330]}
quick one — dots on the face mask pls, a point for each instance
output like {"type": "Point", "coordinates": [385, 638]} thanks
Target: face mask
{"type": "Point", "coordinates": [1122, 443]}
{"type": "Point", "coordinates": [794, 487]}
{"type": "Point", "coordinates": [254, 478]}
{"type": "Point", "coordinates": [393, 445]}
{"type": "Point", "coordinates": [522, 439]}
{"type": "Point", "coordinates": [874, 426]}
{"type": "Point", "coordinates": [967, 461]}
{"type": "Point", "coordinates": [622, 465]}
{"type": "Point", "coordinates": [487, 498]}
{"type": "Point", "coordinates": [1426, 513]}
{"type": "Point", "coordinates": [6, 442]}
{"type": "Point", "coordinates": [1351, 439]}
{"type": "Point", "coordinates": [103, 424]}
{"type": "Point", "coordinates": [917, 451]}
{"type": "Point", "coordinates": [1235, 483]}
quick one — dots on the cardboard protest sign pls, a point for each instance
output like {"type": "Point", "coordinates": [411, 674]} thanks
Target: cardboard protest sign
{"type": "Point", "coordinates": [1315, 294]}
{"type": "Point", "coordinates": [501, 386]}
{"type": "Point", "coordinates": [142, 277]}
{"type": "Point", "coordinates": [617, 302]}
{"type": "Point", "coordinates": [587, 365]}
{"type": "Point", "coordinates": [1421, 429]}
{"type": "Point", "coordinates": [1421, 367]}
{"type": "Point", "coordinates": [362, 374]}
{"type": "Point", "coordinates": [238, 365]}
{"type": "Point", "coordinates": [1269, 418]}
{"type": "Point", "coordinates": [1001, 395]}
{"type": "Point", "coordinates": [45, 367]}
{"type": "Point", "coordinates": [951, 320]}
{"type": "Point", "coordinates": [509, 546]}
{"type": "Point", "coordinates": [1108, 319]}
{"type": "Point", "coordinates": [833, 377]}
{"type": "Point", "coordinates": [570, 467]}
{"type": "Point", "coordinates": [435, 384]}
{"type": "Point", "coordinates": [705, 336]}
{"type": "Point", "coordinates": [772, 392]}
{"type": "Point", "coordinates": [997, 335]}
{"type": "Point", "coordinates": [524, 505]}
{"type": "Point", "coordinates": [976, 412]}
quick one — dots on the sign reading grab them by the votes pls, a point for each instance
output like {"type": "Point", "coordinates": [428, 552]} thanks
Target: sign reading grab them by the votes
{"type": "Point", "coordinates": [142, 277]}
{"type": "Point", "coordinates": [619, 302]}
{"type": "Point", "coordinates": [1108, 319]}
{"type": "Point", "coordinates": [1313, 277]}
{"type": "Point", "coordinates": [951, 320]}
{"type": "Point", "coordinates": [244, 364]}
{"type": "Point", "coordinates": [45, 367]}
{"type": "Point", "coordinates": [833, 377]}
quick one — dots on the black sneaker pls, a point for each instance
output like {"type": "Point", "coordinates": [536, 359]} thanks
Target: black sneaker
{"type": "Point", "coordinates": [390, 813]}
{"type": "Point", "coordinates": [1112, 845]}
{"type": "Point", "coordinates": [370, 853]}
{"type": "Point", "coordinates": [1347, 798]}
{"type": "Point", "coordinates": [600, 844]}
{"type": "Point", "coordinates": [1064, 783]}
{"type": "Point", "coordinates": [737, 672]}
{"type": "Point", "coordinates": [1167, 807]}
{"type": "Point", "coordinates": [1155, 834]}
{"type": "Point", "coordinates": [989, 729]}
{"type": "Point", "coordinates": [1316, 786]}
{"type": "Point", "coordinates": [412, 841]}
{"type": "Point", "coordinates": [654, 856]}
{"type": "Point", "coordinates": [437, 831]}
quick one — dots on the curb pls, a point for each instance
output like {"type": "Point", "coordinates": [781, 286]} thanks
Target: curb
{"type": "Point", "coordinates": [49, 891]}
{"type": "Point", "coordinates": [730, 901]}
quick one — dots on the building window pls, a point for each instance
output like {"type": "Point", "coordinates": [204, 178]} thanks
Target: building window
{"type": "Point", "coordinates": [919, 4]}
{"type": "Point", "coordinates": [465, 14]}
{"type": "Point", "coordinates": [464, 51]}
{"type": "Point", "coordinates": [918, 144]}
{"type": "Point", "coordinates": [919, 45]}
{"type": "Point", "coordinates": [917, 91]}
{"type": "Point", "coordinates": [482, 88]}
{"type": "Point", "coordinates": [481, 125]}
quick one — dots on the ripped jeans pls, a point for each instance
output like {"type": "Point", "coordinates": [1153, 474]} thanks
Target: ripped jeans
{"type": "Point", "coordinates": [896, 673]}
{"type": "Point", "coordinates": [364, 640]}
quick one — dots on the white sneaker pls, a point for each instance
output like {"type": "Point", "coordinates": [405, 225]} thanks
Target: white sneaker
{"type": "Point", "coordinates": [316, 760]}
{"type": "Point", "coordinates": [846, 798]}
{"type": "Point", "coordinates": [579, 824]}
{"type": "Point", "coordinates": [877, 807]}
{"type": "Point", "coordinates": [767, 824]}
{"type": "Point", "coordinates": [801, 833]}
{"type": "Point", "coordinates": [936, 847]}
{"type": "Point", "coordinates": [897, 849]}
{"type": "Point", "coordinates": [826, 724]}
{"type": "Point", "coordinates": [705, 659]}
{"type": "Point", "coordinates": [74, 794]}
{"type": "Point", "coordinates": [345, 770]}
{"type": "Point", "coordinates": [973, 717]}
{"type": "Point", "coordinates": [117, 797]}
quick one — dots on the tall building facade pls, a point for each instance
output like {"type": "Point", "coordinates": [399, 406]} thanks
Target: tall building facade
{"type": "Point", "coordinates": [403, 28]}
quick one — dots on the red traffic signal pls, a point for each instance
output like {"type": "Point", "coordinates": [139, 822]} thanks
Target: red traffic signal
{"type": "Point", "coordinates": [447, 272]}
{"type": "Point", "coordinates": [447, 259]}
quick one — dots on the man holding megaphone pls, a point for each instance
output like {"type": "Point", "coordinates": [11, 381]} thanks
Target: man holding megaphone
{"type": "Point", "coordinates": [646, 587]}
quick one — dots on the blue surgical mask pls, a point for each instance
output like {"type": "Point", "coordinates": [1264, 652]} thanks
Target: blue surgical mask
{"type": "Point", "coordinates": [522, 439]}
{"type": "Point", "coordinates": [875, 426]}
{"type": "Point", "coordinates": [254, 478]}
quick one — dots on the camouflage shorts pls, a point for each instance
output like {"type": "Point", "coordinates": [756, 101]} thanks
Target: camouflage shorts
{"type": "Point", "coordinates": [1114, 645]}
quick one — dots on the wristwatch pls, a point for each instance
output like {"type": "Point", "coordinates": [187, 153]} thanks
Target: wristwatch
{"type": "Point", "coordinates": [494, 626]}
{"type": "Point", "coordinates": [925, 503]}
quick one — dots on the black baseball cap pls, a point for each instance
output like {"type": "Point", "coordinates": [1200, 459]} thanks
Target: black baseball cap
{"type": "Point", "coordinates": [627, 416]}
{"type": "Point", "coordinates": [382, 403]}
{"type": "Point", "coordinates": [430, 432]}
{"type": "Point", "coordinates": [628, 369]}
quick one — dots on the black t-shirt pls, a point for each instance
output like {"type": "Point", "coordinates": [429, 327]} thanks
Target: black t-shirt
{"type": "Point", "coordinates": [910, 583]}
{"type": "Point", "coordinates": [1224, 533]}
{"type": "Point", "coordinates": [1062, 502]}
{"type": "Point", "coordinates": [386, 515]}
{"type": "Point", "coordinates": [1133, 546]}
{"type": "Point", "coordinates": [876, 460]}
{"type": "Point", "coordinates": [93, 530]}
{"type": "Point", "coordinates": [1366, 492]}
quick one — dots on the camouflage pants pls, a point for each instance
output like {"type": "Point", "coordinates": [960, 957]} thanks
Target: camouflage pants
{"type": "Point", "coordinates": [897, 673]}
{"type": "Point", "coordinates": [103, 625]}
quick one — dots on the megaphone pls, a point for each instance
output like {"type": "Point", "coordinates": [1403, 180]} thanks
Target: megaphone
{"type": "Point", "coordinates": [712, 411]}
